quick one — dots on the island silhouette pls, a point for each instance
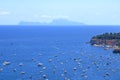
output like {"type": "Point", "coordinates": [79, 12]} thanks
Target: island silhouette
{"type": "Point", "coordinates": [55, 22]}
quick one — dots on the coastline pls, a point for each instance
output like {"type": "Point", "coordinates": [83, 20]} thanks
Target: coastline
{"type": "Point", "coordinates": [106, 44]}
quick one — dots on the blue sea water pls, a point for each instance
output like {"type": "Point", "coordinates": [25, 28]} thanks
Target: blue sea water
{"type": "Point", "coordinates": [63, 52]}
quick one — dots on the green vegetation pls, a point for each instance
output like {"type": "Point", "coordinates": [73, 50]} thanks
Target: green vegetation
{"type": "Point", "coordinates": [108, 36]}
{"type": "Point", "coordinates": [110, 39]}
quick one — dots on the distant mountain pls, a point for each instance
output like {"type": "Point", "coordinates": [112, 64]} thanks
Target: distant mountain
{"type": "Point", "coordinates": [64, 22]}
{"type": "Point", "coordinates": [31, 23]}
{"type": "Point", "coordinates": [56, 22]}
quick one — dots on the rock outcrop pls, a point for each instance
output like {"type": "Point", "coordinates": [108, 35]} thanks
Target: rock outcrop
{"type": "Point", "coordinates": [107, 40]}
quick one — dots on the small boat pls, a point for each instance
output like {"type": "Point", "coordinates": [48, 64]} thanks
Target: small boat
{"type": "Point", "coordinates": [6, 63]}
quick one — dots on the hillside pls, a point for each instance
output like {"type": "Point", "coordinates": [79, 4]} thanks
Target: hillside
{"type": "Point", "coordinates": [107, 40]}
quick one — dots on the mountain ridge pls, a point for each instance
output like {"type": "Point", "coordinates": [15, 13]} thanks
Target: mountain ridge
{"type": "Point", "coordinates": [55, 22]}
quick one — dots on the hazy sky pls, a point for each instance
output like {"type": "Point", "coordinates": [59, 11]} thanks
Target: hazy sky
{"type": "Point", "coordinates": [93, 12]}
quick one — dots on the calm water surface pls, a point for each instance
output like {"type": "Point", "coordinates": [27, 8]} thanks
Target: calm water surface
{"type": "Point", "coordinates": [62, 51]}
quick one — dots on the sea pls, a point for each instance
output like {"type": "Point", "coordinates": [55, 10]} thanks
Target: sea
{"type": "Point", "coordinates": [56, 53]}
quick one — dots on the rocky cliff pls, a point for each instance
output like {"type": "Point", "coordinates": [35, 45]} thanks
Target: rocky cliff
{"type": "Point", "coordinates": [107, 40]}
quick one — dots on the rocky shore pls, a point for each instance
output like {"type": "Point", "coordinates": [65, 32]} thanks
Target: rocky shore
{"type": "Point", "coordinates": [107, 41]}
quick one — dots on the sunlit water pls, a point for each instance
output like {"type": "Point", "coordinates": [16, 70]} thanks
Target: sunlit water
{"type": "Point", "coordinates": [63, 52]}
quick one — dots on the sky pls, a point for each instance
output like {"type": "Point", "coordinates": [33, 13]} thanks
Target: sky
{"type": "Point", "coordinates": [91, 12]}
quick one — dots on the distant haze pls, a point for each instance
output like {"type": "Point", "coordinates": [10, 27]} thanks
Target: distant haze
{"type": "Point", "coordinates": [91, 12]}
{"type": "Point", "coordinates": [55, 22]}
